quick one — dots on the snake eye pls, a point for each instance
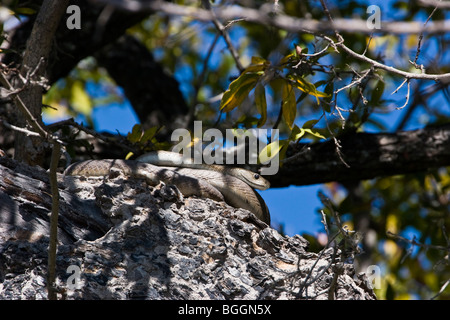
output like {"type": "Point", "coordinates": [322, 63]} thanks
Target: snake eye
{"type": "Point", "coordinates": [256, 176]}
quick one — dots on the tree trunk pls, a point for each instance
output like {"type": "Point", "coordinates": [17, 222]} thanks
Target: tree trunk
{"type": "Point", "coordinates": [118, 240]}
{"type": "Point", "coordinates": [33, 68]}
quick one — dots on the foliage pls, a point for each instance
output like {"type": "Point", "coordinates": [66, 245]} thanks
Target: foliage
{"type": "Point", "coordinates": [414, 207]}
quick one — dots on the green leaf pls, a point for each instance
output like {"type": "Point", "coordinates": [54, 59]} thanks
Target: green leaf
{"type": "Point", "coordinates": [79, 99]}
{"type": "Point", "coordinates": [288, 58]}
{"type": "Point", "coordinates": [307, 87]}
{"type": "Point", "coordinates": [258, 65]}
{"type": "Point", "coordinates": [238, 91]}
{"type": "Point", "coordinates": [25, 11]}
{"type": "Point", "coordinates": [289, 106]}
{"type": "Point", "coordinates": [129, 155]}
{"type": "Point", "coordinates": [329, 89]}
{"type": "Point", "coordinates": [246, 121]}
{"type": "Point", "coordinates": [259, 60]}
{"type": "Point", "coordinates": [309, 124]}
{"type": "Point", "coordinates": [377, 93]}
{"type": "Point", "coordinates": [271, 150]}
{"type": "Point", "coordinates": [296, 133]}
{"type": "Point", "coordinates": [135, 134]}
{"type": "Point", "coordinates": [257, 68]}
{"type": "Point", "coordinates": [148, 134]}
{"type": "Point", "coordinates": [261, 103]}
{"type": "Point", "coordinates": [314, 133]}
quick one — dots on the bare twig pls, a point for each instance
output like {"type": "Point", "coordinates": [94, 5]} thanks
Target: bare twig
{"type": "Point", "coordinates": [198, 84]}
{"type": "Point", "coordinates": [336, 265]}
{"type": "Point", "coordinates": [220, 27]}
{"type": "Point", "coordinates": [93, 133]}
{"type": "Point", "coordinates": [341, 117]}
{"type": "Point", "coordinates": [441, 290]}
{"type": "Point", "coordinates": [359, 79]}
{"type": "Point", "coordinates": [378, 65]}
{"type": "Point", "coordinates": [415, 243]}
{"type": "Point", "coordinates": [317, 53]}
{"type": "Point", "coordinates": [337, 268]}
{"type": "Point", "coordinates": [419, 44]}
{"type": "Point", "coordinates": [324, 222]}
{"type": "Point", "coordinates": [53, 241]}
{"type": "Point", "coordinates": [400, 86]}
{"type": "Point", "coordinates": [336, 142]}
{"type": "Point", "coordinates": [327, 12]}
{"type": "Point", "coordinates": [444, 233]}
{"type": "Point", "coordinates": [368, 45]}
{"type": "Point", "coordinates": [56, 150]}
{"type": "Point", "coordinates": [407, 94]}
{"type": "Point", "coordinates": [21, 105]}
{"type": "Point", "coordinates": [18, 129]}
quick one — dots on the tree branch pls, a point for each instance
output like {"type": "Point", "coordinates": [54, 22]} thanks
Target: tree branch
{"type": "Point", "coordinates": [279, 20]}
{"type": "Point", "coordinates": [435, 3]}
{"type": "Point", "coordinates": [368, 155]}
{"type": "Point", "coordinates": [220, 28]}
{"type": "Point", "coordinates": [376, 64]}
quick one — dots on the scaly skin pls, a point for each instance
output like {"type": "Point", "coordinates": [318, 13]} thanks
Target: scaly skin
{"type": "Point", "coordinates": [202, 183]}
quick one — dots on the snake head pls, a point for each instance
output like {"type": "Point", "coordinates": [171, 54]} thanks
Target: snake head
{"type": "Point", "coordinates": [254, 179]}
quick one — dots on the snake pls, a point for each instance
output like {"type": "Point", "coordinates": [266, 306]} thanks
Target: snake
{"type": "Point", "coordinates": [221, 183]}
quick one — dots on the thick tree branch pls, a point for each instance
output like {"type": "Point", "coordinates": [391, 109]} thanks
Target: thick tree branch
{"type": "Point", "coordinates": [35, 58]}
{"type": "Point", "coordinates": [368, 155]}
{"type": "Point", "coordinates": [279, 20]}
{"type": "Point", "coordinates": [159, 253]}
{"type": "Point", "coordinates": [435, 3]}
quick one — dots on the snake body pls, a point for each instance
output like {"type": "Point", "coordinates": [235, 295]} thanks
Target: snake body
{"type": "Point", "coordinates": [172, 159]}
{"type": "Point", "coordinates": [202, 181]}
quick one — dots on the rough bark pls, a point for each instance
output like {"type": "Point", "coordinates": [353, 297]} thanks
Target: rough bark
{"type": "Point", "coordinates": [35, 59]}
{"type": "Point", "coordinates": [131, 241]}
{"type": "Point", "coordinates": [368, 156]}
